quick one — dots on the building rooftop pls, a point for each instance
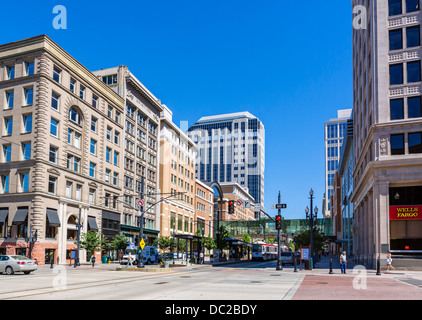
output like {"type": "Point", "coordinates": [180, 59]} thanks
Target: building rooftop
{"type": "Point", "coordinates": [226, 117]}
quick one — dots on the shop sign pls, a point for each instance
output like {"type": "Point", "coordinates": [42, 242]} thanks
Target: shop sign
{"type": "Point", "coordinates": [405, 212]}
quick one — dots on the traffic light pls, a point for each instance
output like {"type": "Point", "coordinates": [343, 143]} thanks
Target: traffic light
{"type": "Point", "coordinates": [278, 222]}
{"type": "Point", "coordinates": [231, 207]}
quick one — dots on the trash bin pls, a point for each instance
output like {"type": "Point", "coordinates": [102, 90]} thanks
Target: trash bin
{"type": "Point", "coordinates": [104, 259]}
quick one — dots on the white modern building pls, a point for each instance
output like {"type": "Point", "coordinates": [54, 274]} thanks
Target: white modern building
{"type": "Point", "coordinates": [231, 148]}
{"type": "Point", "coordinates": [334, 132]}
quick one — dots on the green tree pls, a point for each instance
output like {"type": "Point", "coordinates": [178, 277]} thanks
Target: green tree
{"type": "Point", "coordinates": [304, 237]}
{"type": "Point", "coordinates": [90, 241]}
{"type": "Point", "coordinates": [246, 237]}
{"type": "Point", "coordinates": [224, 234]}
{"type": "Point", "coordinates": [164, 242]}
{"type": "Point", "coordinates": [209, 243]}
{"type": "Point", "coordinates": [119, 243]}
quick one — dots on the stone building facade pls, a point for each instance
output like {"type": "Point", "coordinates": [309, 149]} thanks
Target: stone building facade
{"type": "Point", "coordinates": [56, 163]}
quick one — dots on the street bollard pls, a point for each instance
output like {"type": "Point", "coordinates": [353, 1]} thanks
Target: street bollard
{"type": "Point", "coordinates": [295, 264]}
{"type": "Point", "coordinates": [378, 267]}
{"type": "Point", "coordinates": [331, 266]}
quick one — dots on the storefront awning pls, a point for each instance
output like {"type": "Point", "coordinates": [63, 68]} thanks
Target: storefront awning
{"type": "Point", "coordinates": [92, 223]}
{"type": "Point", "coordinates": [53, 218]}
{"type": "Point", "coordinates": [4, 212]}
{"type": "Point", "coordinates": [20, 216]}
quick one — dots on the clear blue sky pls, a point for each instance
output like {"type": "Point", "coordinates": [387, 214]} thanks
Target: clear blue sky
{"type": "Point", "coordinates": [287, 62]}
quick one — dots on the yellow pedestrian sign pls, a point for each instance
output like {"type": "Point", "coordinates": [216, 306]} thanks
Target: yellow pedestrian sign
{"type": "Point", "coordinates": [142, 244]}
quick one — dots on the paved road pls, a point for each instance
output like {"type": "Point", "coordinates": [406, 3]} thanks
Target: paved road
{"type": "Point", "coordinates": [231, 282]}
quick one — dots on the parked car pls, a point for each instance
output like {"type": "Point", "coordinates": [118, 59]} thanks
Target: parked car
{"type": "Point", "coordinates": [287, 257]}
{"type": "Point", "coordinates": [11, 264]}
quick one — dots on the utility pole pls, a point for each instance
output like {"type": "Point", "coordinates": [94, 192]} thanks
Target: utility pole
{"type": "Point", "coordinates": [279, 206]}
{"type": "Point", "coordinates": [141, 226]}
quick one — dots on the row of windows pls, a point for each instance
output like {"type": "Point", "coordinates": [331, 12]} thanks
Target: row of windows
{"type": "Point", "coordinates": [22, 183]}
{"type": "Point", "coordinates": [413, 69]}
{"type": "Point", "coordinates": [398, 143]}
{"type": "Point", "coordinates": [26, 125]}
{"type": "Point", "coordinates": [28, 98]}
{"type": "Point", "coordinates": [28, 70]}
{"type": "Point", "coordinates": [412, 38]}
{"type": "Point", "coordinates": [395, 7]}
{"type": "Point", "coordinates": [414, 108]}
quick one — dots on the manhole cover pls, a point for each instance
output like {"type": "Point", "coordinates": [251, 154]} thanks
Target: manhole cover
{"type": "Point", "coordinates": [322, 282]}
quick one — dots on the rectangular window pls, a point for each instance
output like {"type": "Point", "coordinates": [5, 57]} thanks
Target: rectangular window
{"type": "Point", "coordinates": [108, 134]}
{"type": "Point", "coordinates": [397, 144]}
{"type": "Point", "coordinates": [92, 170]}
{"type": "Point", "coordinates": [9, 99]}
{"type": "Point", "coordinates": [68, 189]}
{"type": "Point", "coordinates": [91, 197]}
{"type": "Point", "coordinates": [412, 5]}
{"type": "Point", "coordinates": [108, 155]}
{"type": "Point", "coordinates": [10, 72]}
{"type": "Point", "coordinates": [72, 86]}
{"type": "Point", "coordinates": [396, 74]}
{"type": "Point", "coordinates": [414, 71]}
{"type": "Point", "coordinates": [29, 93]}
{"type": "Point", "coordinates": [82, 92]}
{"type": "Point", "coordinates": [394, 7]}
{"type": "Point", "coordinates": [26, 151]}
{"type": "Point", "coordinates": [116, 138]}
{"type": "Point", "coordinates": [27, 123]}
{"type": "Point", "coordinates": [94, 124]}
{"type": "Point", "coordinates": [53, 154]}
{"type": "Point", "coordinates": [54, 127]}
{"type": "Point", "coordinates": [94, 101]}
{"type": "Point", "coordinates": [7, 152]}
{"type": "Point", "coordinates": [115, 178]}
{"type": "Point", "coordinates": [78, 192]}
{"type": "Point", "coordinates": [5, 184]}
{"type": "Point", "coordinates": [24, 182]}
{"type": "Point", "coordinates": [414, 107]}
{"type": "Point", "coordinates": [55, 101]}
{"type": "Point", "coordinates": [396, 39]}
{"type": "Point", "coordinates": [107, 175]}
{"type": "Point", "coordinates": [413, 36]}
{"type": "Point", "coordinates": [57, 73]}
{"type": "Point", "coordinates": [116, 158]}
{"type": "Point", "coordinates": [396, 109]}
{"type": "Point", "coordinates": [52, 181]}
{"type": "Point", "coordinates": [29, 68]}
{"type": "Point", "coordinates": [93, 147]}
{"type": "Point", "coordinates": [8, 126]}
{"type": "Point", "coordinates": [415, 142]}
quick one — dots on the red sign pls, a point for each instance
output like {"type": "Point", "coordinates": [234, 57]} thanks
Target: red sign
{"type": "Point", "coordinates": [405, 212]}
{"type": "Point", "coordinates": [141, 202]}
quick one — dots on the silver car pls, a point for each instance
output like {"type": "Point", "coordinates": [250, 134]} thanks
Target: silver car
{"type": "Point", "coordinates": [287, 257]}
{"type": "Point", "coordinates": [11, 264]}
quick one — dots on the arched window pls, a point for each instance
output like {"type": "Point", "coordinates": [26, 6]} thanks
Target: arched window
{"type": "Point", "coordinates": [74, 115]}
{"type": "Point", "coordinates": [72, 233]}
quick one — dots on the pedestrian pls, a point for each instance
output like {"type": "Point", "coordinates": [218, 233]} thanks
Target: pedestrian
{"type": "Point", "coordinates": [389, 261]}
{"type": "Point", "coordinates": [201, 257]}
{"type": "Point", "coordinates": [129, 259]}
{"type": "Point", "coordinates": [343, 262]}
{"type": "Point", "coordinates": [93, 260]}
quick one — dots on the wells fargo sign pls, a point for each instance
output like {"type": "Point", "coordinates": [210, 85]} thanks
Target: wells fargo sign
{"type": "Point", "coordinates": [405, 212]}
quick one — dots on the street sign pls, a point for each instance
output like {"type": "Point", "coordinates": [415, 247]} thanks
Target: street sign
{"type": "Point", "coordinates": [279, 206]}
{"type": "Point", "coordinates": [140, 202]}
{"type": "Point", "coordinates": [246, 204]}
{"type": "Point", "coordinates": [239, 202]}
{"type": "Point", "coordinates": [142, 244]}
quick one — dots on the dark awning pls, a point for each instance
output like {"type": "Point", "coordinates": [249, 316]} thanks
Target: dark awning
{"type": "Point", "coordinates": [53, 218]}
{"type": "Point", "coordinates": [3, 215]}
{"type": "Point", "coordinates": [111, 215]}
{"type": "Point", "coordinates": [92, 223]}
{"type": "Point", "coordinates": [20, 216]}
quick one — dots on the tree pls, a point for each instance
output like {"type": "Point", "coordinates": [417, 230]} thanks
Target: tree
{"type": "Point", "coordinates": [224, 234]}
{"type": "Point", "coordinates": [209, 243]}
{"type": "Point", "coordinates": [90, 241]}
{"type": "Point", "coordinates": [246, 237]}
{"type": "Point", "coordinates": [119, 243]}
{"type": "Point", "coordinates": [304, 239]}
{"type": "Point", "coordinates": [164, 242]}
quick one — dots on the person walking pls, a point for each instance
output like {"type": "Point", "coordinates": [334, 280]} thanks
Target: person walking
{"type": "Point", "coordinates": [343, 262]}
{"type": "Point", "coordinates": [93, 260]}
{"type": "Point", "coordinates": [129, 259]}
{"type": "Point", "coordinates": [389, 261]}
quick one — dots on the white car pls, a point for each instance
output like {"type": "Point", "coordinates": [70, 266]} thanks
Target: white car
{"type": "Point", "coordinates": [12, 263]}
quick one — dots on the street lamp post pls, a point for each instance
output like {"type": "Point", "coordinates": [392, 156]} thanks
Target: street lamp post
{"type": "Point", "coordinates": [79, 237]}
{"type": "Point", "coordinates": [311, 218]}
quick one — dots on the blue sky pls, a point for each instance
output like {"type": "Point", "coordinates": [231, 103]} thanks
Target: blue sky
{"type": "Point", "coordinates": [287, 62]}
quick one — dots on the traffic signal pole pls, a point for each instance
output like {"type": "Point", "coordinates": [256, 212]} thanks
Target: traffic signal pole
{"type": "Point", "coordinates": [278, 224]}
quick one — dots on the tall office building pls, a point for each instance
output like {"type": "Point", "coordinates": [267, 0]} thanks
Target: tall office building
{"type": "Point", "coordinates": [334, 130]}
{"type": "Point", "coordinates": [387, 116]}
{"type": "Point", "coordinates": [231, 148]}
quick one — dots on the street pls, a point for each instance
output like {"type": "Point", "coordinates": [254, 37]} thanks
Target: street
{"type": "Point", "coordinates": [229, 282]}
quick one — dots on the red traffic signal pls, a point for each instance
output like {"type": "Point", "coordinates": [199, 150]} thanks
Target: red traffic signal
{"type": "Point", "coordinates": [278, 222]}
{"type": "Point", "coordinates": [231, 207]}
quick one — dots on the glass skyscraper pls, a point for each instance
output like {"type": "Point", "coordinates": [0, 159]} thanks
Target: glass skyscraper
{"type": "Point", "coordinates": [335, 130]}
{"type": "Point", "coordinates": [231, 147]}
